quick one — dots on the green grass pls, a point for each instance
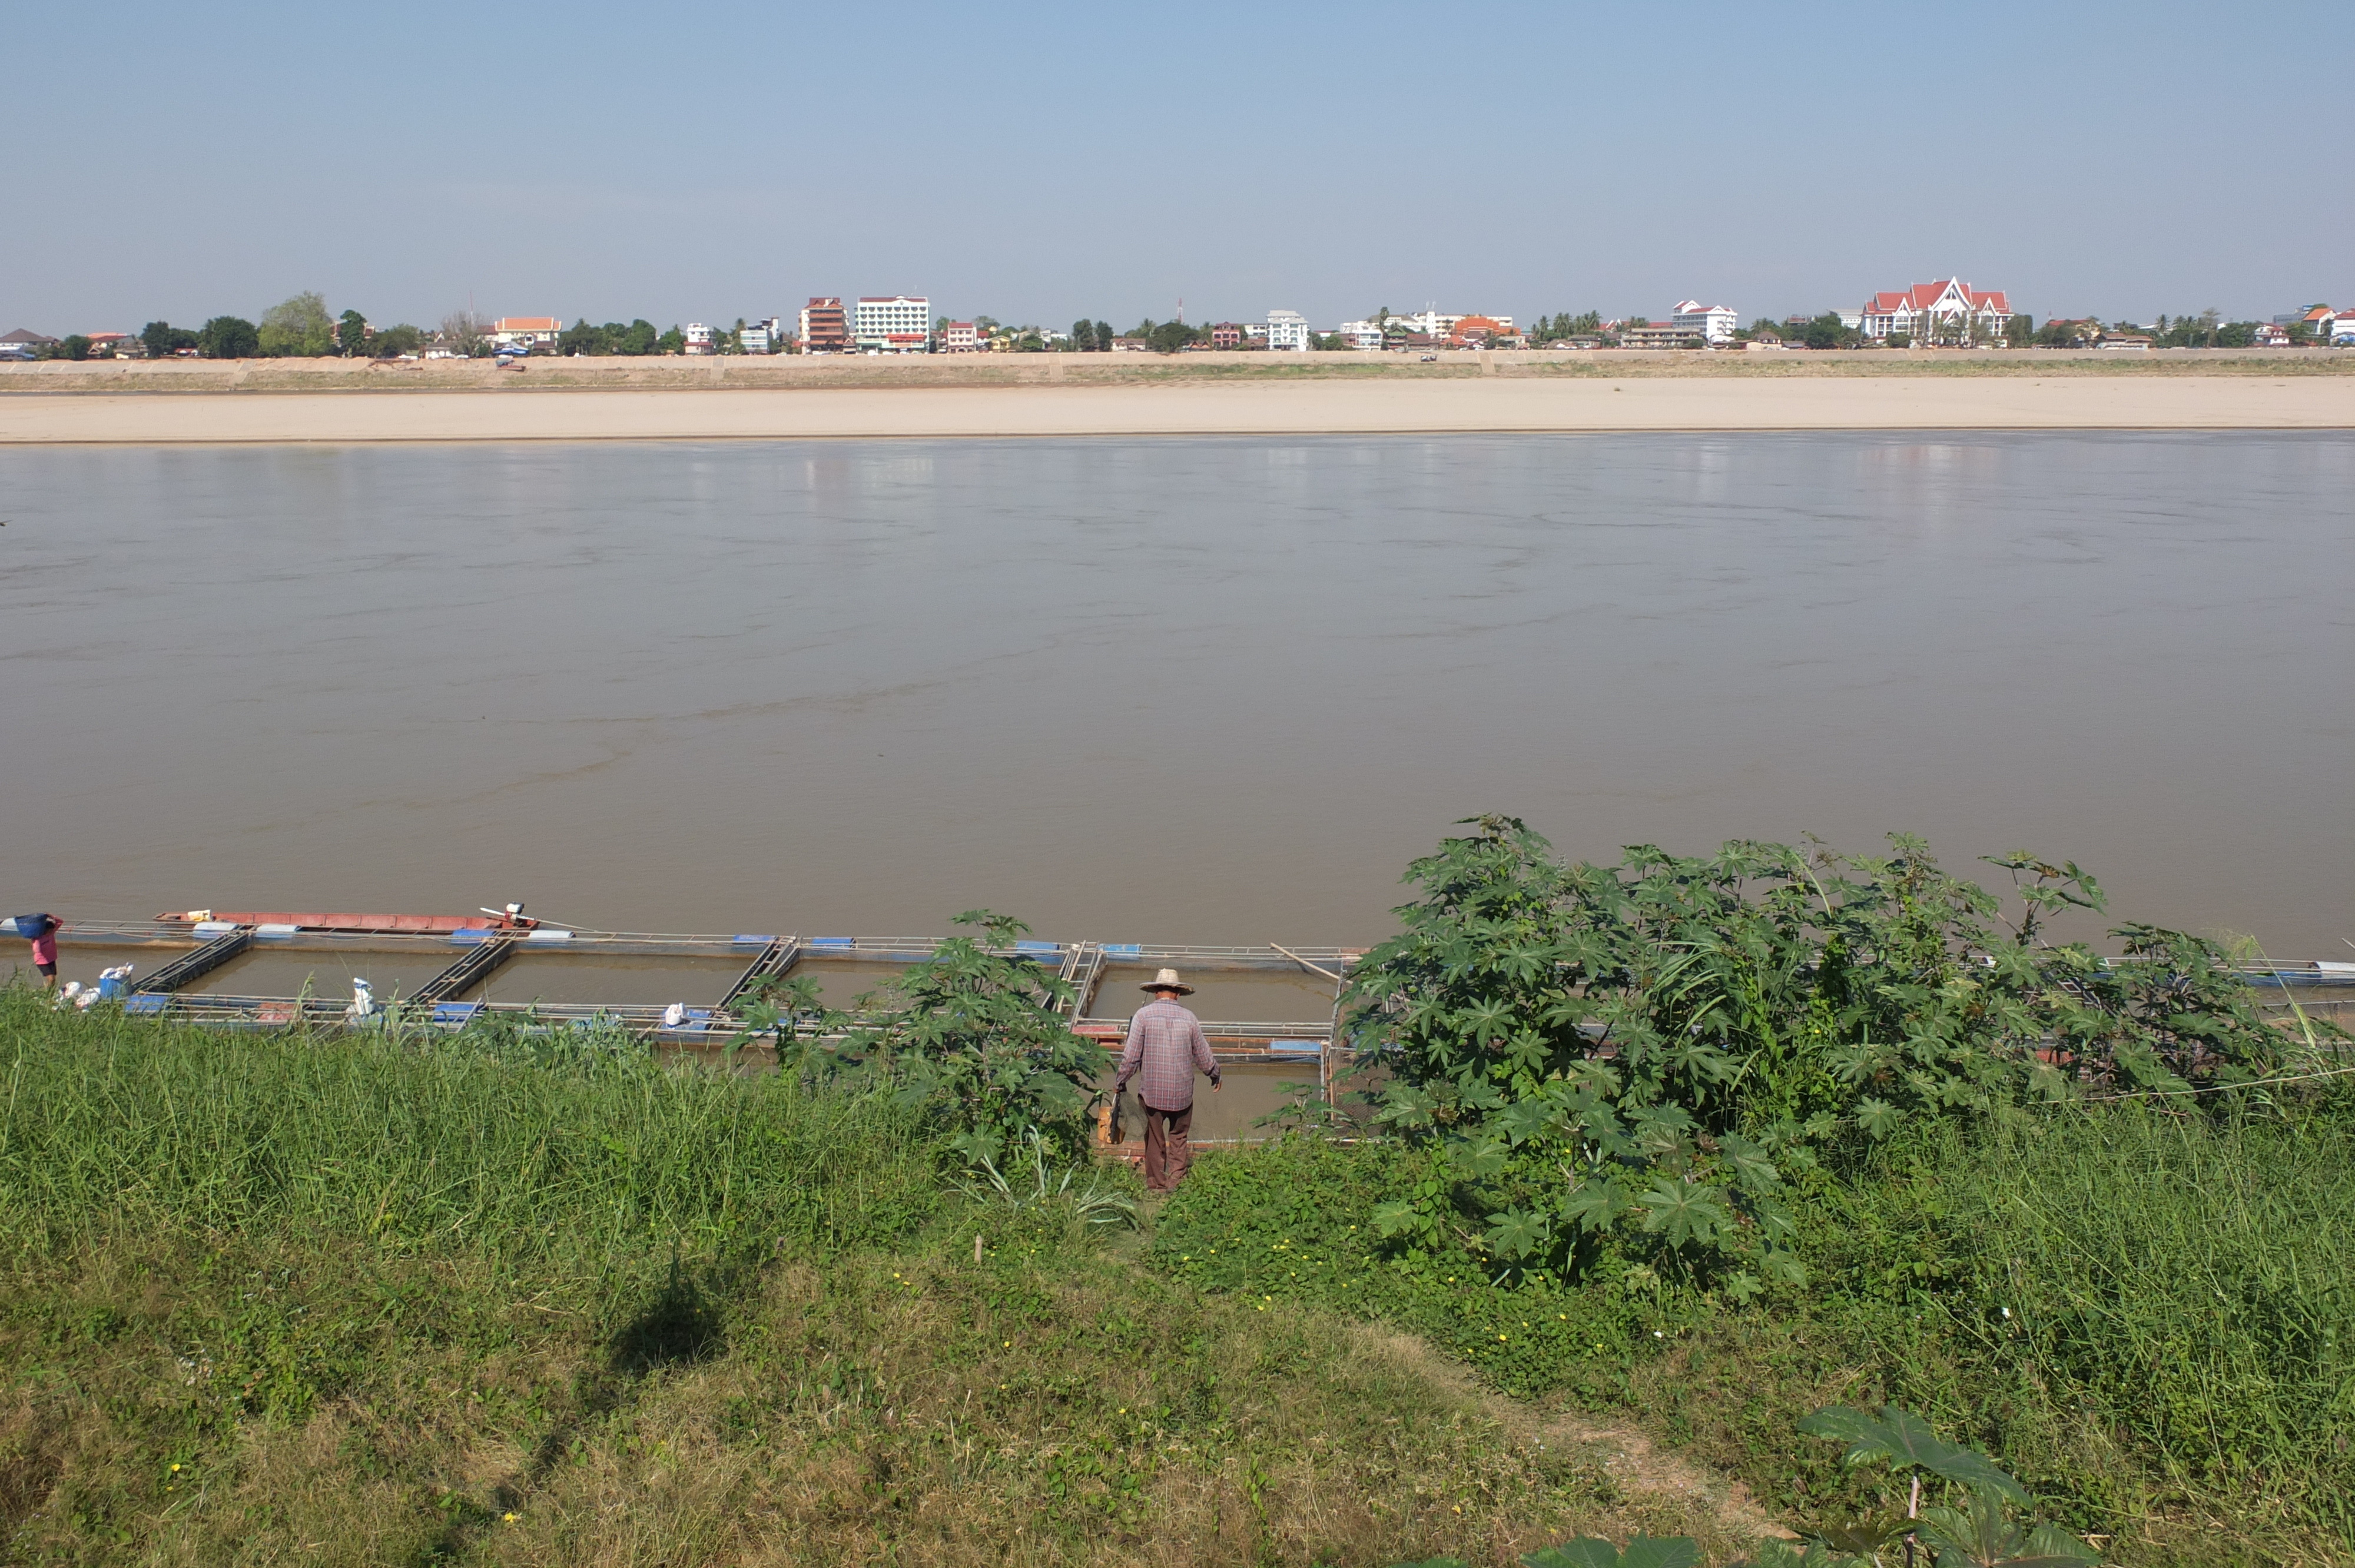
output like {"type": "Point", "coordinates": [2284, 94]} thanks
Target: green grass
{"type": "Point", "coordinates": [274, 1298]}
{"type": "Point", "coordinates": [2146, 1316]}
{"type": "Point", "coordinates": [380, 1295]}
{"type": "Point", "coordinates": [568, 1155]}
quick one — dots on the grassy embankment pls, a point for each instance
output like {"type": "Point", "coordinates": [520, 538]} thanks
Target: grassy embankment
{"type": "Point", "coordinates": [2148, 1316]}
{"type": "Point", "coordinates": [267, 1299]}
{"type": "Point", "coordinates": [271, 1298]}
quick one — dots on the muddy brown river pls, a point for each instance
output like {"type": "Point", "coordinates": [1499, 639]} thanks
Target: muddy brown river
{"type": "Point", "coordinates": [1177, 690]}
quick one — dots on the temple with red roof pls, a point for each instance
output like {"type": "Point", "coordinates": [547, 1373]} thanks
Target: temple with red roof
{"type": "Point", "coordinates": [1951, 312]}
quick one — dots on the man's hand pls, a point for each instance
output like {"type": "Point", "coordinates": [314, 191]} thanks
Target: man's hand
{"type": "Point", "coordinates": [1214, 1086]}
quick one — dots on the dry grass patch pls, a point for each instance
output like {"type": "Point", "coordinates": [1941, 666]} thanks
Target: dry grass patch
{"type": "Point", "coordinates": [1051, 1405]}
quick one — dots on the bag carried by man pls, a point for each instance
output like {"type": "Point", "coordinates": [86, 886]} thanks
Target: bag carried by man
{"type": "Point", "coordinates": [1120, 1117]}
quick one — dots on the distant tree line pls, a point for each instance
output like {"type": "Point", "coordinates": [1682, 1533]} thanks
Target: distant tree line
{"type": "Point", "coordinates": [296, 328]}
{"type": "Point", "coordinates": [1563, 324]}
{"type": "Point", "coordinates": [2209, 329]}
{"type": "Point", "coordinates": [637, 339]}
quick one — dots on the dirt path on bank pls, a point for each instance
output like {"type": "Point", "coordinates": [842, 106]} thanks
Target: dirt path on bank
{"type": "Point", "coordinates": [1645, 1471]}
{"type": "Point", "coordinates": [1639, 1466]}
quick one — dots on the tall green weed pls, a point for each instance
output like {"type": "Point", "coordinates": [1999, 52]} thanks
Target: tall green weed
{"type": "Point", "coordinates": [490, 1143]}
{"type": "Point", "coordinates": [1643, 1056]}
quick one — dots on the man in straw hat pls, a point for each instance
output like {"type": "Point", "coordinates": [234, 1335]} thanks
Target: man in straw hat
{"type": "Point", "coordinates": [1164, 1041]}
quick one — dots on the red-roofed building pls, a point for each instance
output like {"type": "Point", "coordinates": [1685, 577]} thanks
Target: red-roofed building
{"type": "Point", "coordinates": [1474, 332]}
{"type": "Point", "coordinates": [525, 331]}
{"type": "Point", "coordinates": [2330, 325]}
{"type": "Point", "coordinates": [1951, 312]}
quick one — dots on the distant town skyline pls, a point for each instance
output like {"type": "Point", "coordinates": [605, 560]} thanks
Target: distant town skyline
{"type": "Point", "coordinates": [1044, 162]}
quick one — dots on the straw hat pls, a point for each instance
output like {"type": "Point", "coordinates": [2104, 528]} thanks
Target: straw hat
{"type": "Point", "coordinates": [1167, 981]}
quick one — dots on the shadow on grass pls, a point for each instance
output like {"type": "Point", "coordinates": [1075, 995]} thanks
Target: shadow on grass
{"type": "Point", "coordinates": [680, 1326]}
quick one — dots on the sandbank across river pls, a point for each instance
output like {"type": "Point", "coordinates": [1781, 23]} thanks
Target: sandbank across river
{"type": "Point", "coordinates": [713, 405]}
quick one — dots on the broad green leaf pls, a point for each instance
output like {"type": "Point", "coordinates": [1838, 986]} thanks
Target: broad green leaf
{"type": "Point", "coordinates": [1904, 1440]}
{"type": "Point", "coordinates": [1476, 1158]}
{"type": "Point", "coordinates": [1683, 1211]}
{"type": "Point", "coordinates": [1593, 1205]}
{"type": "Point", "coordinates": [1586, 1551]}
{"type": "Point", "coordinates": [1877, 1117]}
{"type": "Point", "coordinates": [1516, 1233]}
{"type": "Point", "coordinates": [1661, 1552]}
{"type": "Point", "coordinates": [1642, 1551]}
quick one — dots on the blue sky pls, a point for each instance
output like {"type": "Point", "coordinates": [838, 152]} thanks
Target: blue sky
{"type": "Point", "coordinates": [709, 159]}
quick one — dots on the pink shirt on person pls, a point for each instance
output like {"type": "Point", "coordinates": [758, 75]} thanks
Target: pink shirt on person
{"type": "Point", "coordinates": [45, 947]}
{"type": "Point", "coordinates": [1165, 1041]}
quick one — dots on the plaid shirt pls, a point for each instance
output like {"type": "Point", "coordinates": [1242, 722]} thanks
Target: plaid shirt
{"type": "Point", "coordinates": [1166, 1040]}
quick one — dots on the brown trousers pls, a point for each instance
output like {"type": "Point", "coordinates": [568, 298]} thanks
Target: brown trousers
{"type": "Point", "coordinates": [1167, 1152]}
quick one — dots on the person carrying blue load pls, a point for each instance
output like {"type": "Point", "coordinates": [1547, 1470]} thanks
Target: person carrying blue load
{"type": "Point", "coordinates": [41, 930]}
{"type": "Point", "coordinates": [1166, 1044]}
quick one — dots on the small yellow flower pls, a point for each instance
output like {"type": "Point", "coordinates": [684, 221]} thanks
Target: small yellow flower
{"type": "Point", "coordinates": [175, 1467]}
{"type": "Point", "coordinates": [510, 1517]}
{"type": "Point", "coordinates": [1006, 1345]}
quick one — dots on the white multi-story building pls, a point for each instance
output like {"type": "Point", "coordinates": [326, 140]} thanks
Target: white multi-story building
{"type": "Point", "coordinates": [699, 338]}
{"type": "Point", "coordinates": [1360, 334]}
{"type": "Point", "coordinates": [897, 323]}
{"type": "Point", "coordinates": [959, 338]}
{"type": "Point", "coordinates": [1287, 330]}
{"type": "Point", "coordinates": [1716, 324]}
{"type": "Point", "coordinates": [762, 336]}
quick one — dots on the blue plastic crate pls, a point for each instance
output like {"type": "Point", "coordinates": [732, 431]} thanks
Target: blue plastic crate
{"type": "Point", "coordinates": [147, 1001]}
{"type": "Point", "coordinates": [460, 1012]}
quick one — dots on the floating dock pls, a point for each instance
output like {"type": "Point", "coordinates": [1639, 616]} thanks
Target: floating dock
{"type": "Point", "coordinates": [1265, 1003]}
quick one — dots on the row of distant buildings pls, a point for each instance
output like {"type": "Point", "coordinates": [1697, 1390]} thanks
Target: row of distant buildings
{"type": "Point", "coordinates": [1922, 314]}
{"type": "Point", "coordinates": [1951, 312]}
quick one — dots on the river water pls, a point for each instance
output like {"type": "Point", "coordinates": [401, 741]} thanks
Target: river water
{"type": "Point", "coordinates": [1172, 690]}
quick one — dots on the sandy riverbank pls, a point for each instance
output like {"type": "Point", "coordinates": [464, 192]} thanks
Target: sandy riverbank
{"type": "Point", "coordinates": [567, 403]}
